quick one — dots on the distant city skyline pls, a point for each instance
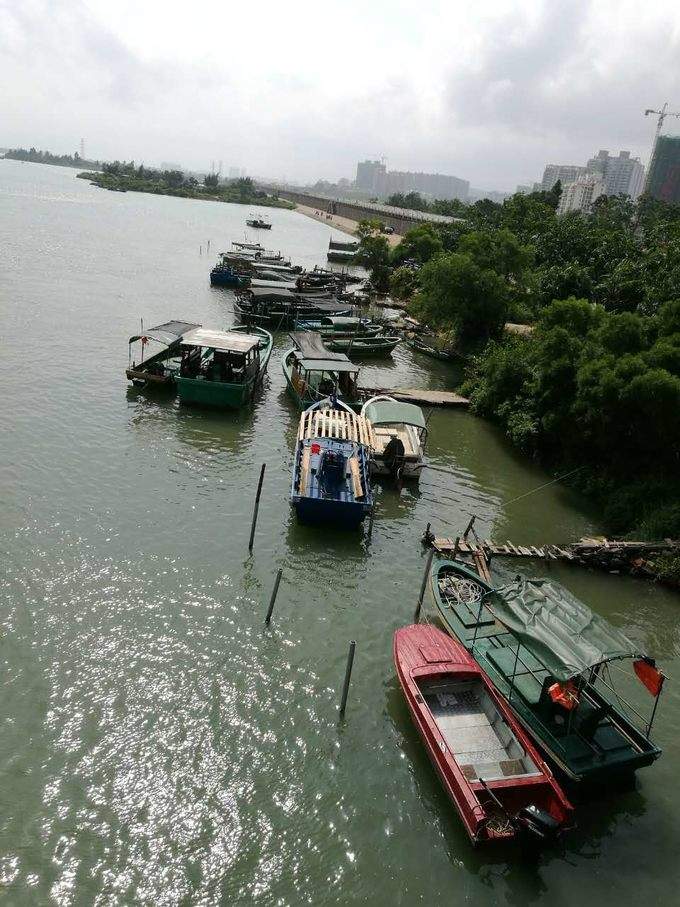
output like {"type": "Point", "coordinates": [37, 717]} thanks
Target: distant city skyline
{"type": "Point", "coordinates": [489, 92]}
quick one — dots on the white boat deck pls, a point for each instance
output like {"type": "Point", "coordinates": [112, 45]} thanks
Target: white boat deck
{"type": "Point", "coordinates": [480, 740]}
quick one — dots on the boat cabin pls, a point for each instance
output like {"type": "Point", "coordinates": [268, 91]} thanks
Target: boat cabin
{"type": "Point", "coordinates": [317, 372]}
{"type": "Point", "coordinates": [230, 357]}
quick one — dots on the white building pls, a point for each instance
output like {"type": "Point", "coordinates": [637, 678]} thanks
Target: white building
{"type": "Point", "coordinates": [622, 175]}
{"type": "Point", "coordinates": [565, 173]}
{"type": "Point", "coordinates": [580, 195]}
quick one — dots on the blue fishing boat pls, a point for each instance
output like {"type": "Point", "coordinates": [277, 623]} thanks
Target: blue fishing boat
{"type": "Point", "coordinates": [224, 275]}
{"type": "Point", "coordinates": [331, 477]}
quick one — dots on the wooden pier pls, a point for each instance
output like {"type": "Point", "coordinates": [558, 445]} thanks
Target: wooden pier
{"type": "Point", "coordinates": [415, 395]}
{"type": "Point", "coordinates": [598, 553]}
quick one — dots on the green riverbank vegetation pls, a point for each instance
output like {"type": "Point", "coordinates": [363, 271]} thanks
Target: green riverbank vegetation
{"type": "Point", "coordinates": [34, 156]}
{"type": "Point", "coordinates": [594, 384]}
{"type": "Point", "coordinates": [122, 176]}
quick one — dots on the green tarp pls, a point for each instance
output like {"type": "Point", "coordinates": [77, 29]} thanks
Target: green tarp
{"type": "Point", "coordinates": [392, 412]}
{"type": "Point", "coordinates": [557, 628]}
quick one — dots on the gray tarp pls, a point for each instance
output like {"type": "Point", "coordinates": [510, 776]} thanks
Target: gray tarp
{"type": "Point", "coordinates": [168, 333]}
{"type": "Point", "coordinates": [392, 412]}
{"type": "Point", "coordinates": [560, 630]}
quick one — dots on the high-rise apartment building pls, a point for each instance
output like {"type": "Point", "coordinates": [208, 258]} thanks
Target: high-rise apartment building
{"type": "Point", "coordinates": [663, 182]}
{"type": "Point", "coordinates": [438, 185]}
{"type": "Point", "coordinates": [621, 175]}
{"type": "Point", "coordinates": [581, 193]}
{"type": "Point", "coordinates": [564, 173]}
{"type": "Point", "coordinates": [371, 176]}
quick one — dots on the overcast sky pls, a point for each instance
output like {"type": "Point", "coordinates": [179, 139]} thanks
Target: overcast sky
{"type": "Point", "coordinates": [489, 91]}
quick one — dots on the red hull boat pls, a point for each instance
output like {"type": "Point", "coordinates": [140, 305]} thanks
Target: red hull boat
{"type": "Point", "coordinates": [495, 777]}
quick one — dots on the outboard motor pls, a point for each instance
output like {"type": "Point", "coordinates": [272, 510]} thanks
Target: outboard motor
{"type": "Point", "coordinates": [537, 822]}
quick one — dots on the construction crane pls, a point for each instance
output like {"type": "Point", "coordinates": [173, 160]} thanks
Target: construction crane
{"type": "Point", "coordinates": [662, 114]}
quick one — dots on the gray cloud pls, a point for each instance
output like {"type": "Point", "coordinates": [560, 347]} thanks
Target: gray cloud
{"type": "Point", "coordinates": [491, 98]}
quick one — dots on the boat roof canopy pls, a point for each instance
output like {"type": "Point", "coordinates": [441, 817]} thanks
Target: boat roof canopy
{"type": "Point", "coordinates": [390, 412]}
{"type": "Point", "coordinates": [310, 345]}
{"type": "Point", "coordinates": [557, 628]}
{"type": "Point", "coordinates": [328, 365]}
{"type": "Point", "coordinates": [226, 341]}
{"type": "Point", "coordinates": [168, 333]}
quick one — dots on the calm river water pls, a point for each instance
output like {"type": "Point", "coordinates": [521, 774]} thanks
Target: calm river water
{"type": "Point", "coordinates": [158, 746]}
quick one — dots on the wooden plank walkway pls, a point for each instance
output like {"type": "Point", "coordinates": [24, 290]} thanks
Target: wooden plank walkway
{"type": "Point", "coordinates": [584, 551]}
{"type": "Point", "coordinates": [415, 395]}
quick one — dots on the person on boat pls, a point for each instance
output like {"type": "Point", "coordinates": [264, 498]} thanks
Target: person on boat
{"type": "Point", "coordinates": [393, 456]}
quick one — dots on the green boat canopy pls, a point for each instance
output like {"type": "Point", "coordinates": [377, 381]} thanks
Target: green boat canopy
{"type": "Point", "coordinates": [557, 628]}
{"type": "Point", "coordinates": [391, 412]}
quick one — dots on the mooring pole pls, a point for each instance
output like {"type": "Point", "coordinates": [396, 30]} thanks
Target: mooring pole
{"type": "Point", "coordinates": [428, 565]}
{"type": "Point", "coordinates": [256, 508]}
{"type": "Point", "coordinates": [470, 525]}
{"type": "Point", "coordinates": [275, 591]}
{"type": "Point", "coordinates": [348, 677]}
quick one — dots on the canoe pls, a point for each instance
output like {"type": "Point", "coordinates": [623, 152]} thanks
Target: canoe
{"type": "Point", "coordinates": [313, 372]}
{"type": "Point", "coordinates": [331, 480]}
{"type": "Point", "coordinates": [548, 655]}
{"type": "Point", "coordinates": [434, 352]}
{"type": "Point", "coordinates": [223, 368]}
{"type": "Point", "coordinates": [490, 770]}
{"type": "Point", "coordinates": [364, 346]}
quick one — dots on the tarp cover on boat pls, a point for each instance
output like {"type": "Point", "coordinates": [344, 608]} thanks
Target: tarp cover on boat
{"type": "Point", "coordinates": [391, 412]}
{"type": "Point", "coordinates": [311, 346]}
{"type": "Point", "coordinates": [227, 341]}
{"type": "Point", "coordinates": [169, 332]}
{"type": "Point", "coordinates": [561, 631]}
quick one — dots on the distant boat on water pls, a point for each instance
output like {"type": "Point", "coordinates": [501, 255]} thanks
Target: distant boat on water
{"type": "Point", "coordinates": [259, 223]}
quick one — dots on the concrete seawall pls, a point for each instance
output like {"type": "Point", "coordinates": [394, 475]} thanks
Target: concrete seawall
{"type": "Point", "coordinates": [345, 224]}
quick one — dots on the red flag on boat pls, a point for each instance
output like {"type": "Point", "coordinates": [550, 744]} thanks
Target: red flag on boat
{"type": "Point", "coordinates": [648, 673]}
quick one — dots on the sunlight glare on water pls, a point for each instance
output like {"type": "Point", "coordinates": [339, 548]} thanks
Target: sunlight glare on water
{"type": "Point", "coordinates": [159, 746]}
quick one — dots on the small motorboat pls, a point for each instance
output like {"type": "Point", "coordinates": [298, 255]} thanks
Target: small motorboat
{"type": "Point", "coordinates": [490, 770]}
{"type": "Point", "coordinates": [259, 223]}
{"type": "Point", "coordinates": [399, 432]}
{"type": "Point", "coordinates": [331, 479]}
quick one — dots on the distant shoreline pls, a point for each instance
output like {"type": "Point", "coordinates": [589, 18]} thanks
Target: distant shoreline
{"type": "Point", "coordinates": [124, 183]}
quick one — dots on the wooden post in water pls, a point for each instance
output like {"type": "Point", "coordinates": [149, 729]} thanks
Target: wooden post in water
{"type": "Point", "coordinates": [273, 598]}
{"type": "Point", "coordinates": [428, 566]}
{"type": "Point", "coordinates": [370, 520]}
{"type": "Point", "coordinates": [348, 677]}
{"type": "Point", "coordinates": [256, 508]}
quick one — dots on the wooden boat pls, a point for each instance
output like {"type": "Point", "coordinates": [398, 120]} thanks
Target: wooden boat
{"type": "Point", "coordinates": [399, 432]}
{"type": "Point", "coordinates": [283, 309]}
{"type": "Point", "coordinates": [331, 479]}
{"type": "Point", "coordinates": [549, 656]}
{"type": "Point", "coordinates": [490, 770]}
{"type": "Point", "coordinates": [336, 245]}
{"type": "Point", "coordinates": [314, 373]}
{"type": "Point", "coordinates": [259, 223]}
{"type": "Point", "coordinates": [341, 257]}
{"type": "Point", "coordinates": [251, 246]}
{"type": "Point", "coordinates": [223, 368]}
{"type": "Point", "coordinates": [364, 346]}
{"type": "Point", "coordinates": [161, 369]}
{"type": "Point", "coordinates": [446, 354]}
{"type": "Point", "coordinates": [340, 326]}
{"type": "Point", "coordinates": [224, 275]}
